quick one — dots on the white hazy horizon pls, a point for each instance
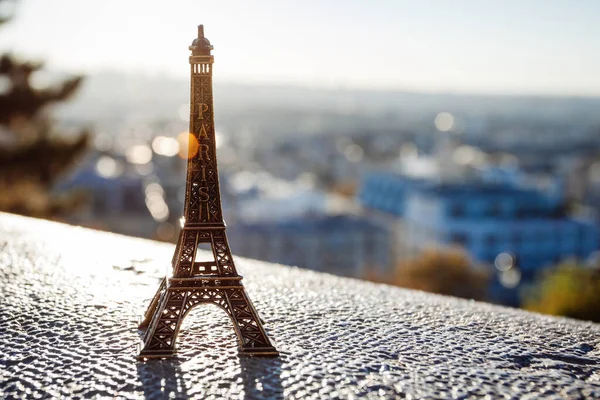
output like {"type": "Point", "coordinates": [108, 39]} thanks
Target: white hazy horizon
{"type": "Point", "coordinates": [537, 47]}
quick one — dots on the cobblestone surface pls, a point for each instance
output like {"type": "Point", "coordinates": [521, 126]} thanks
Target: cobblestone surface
{"type": "Point", "coordinates": [71, 297]}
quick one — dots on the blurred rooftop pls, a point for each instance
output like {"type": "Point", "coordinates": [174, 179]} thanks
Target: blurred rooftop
{"type": "Point", "coordinates": [71, 298]}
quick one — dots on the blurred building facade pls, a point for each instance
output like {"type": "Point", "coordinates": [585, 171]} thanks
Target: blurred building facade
{"type": "Point", "coordinates": [491, 220]}
{"type": "Point", "coordinates": [487, 217]}
{"type": "Point", "coordinates": [345, 244]}
{"type": "Point", "coordinates": [282, 162]}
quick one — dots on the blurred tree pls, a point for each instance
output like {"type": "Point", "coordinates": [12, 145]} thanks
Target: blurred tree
{"type": "Point", "coordinates": [568, 289]}
{"type": "Point", "coordinates": [32, 154]}
{"type": "Point", "coordinates": [448, 271]}
{"type": "Point", "coordinates": [345, 188]}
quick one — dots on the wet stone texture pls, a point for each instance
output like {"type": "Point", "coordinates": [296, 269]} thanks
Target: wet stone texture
{"type": "Point", "coordinates": [70, 299]}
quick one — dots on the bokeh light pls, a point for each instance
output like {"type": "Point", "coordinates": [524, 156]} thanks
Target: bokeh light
{"type": "Point", "coordinates": [188, 145]}
{"type": "Point", "coordinates": [444, 121]}
{"type": "Point", "coordinates": [504, 261]}
{"type": "Point", "coordinates": [108, 167]}
{"type": "Point", "coordinates": [510, 279]}
{"type": "Point", "coordinates": [139, 154]}
{"type": "Point", "coordinates": [156, 203]}
{"type": "Point", "coordinates": [353, 152]}
{"type": "Point", "coordinates": [165, 146]}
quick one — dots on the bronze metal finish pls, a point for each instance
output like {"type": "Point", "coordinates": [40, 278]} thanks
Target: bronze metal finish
{"type": "Point", "coordinates": [195, 282]}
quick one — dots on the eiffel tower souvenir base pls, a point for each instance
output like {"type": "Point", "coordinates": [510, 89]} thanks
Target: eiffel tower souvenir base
{"type": "Point", "coordinates": [195, 282]}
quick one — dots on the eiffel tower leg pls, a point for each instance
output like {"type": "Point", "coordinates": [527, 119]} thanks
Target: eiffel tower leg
{"type": "Point", "coordinates": [153, 304]}
{"type": "Point", "coordinates": [177, 248]}
{"type": "Point", "coordinates": [252, 338]}
{"type": "Point", "coordinates": [159, 341]}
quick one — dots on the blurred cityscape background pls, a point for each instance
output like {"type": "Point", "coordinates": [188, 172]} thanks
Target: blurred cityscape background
{"type": "Point", "coordinates": [447, 147]}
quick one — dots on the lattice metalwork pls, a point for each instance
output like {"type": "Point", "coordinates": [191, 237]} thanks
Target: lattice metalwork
{"type": "Point", "coordinates": [195, 282]}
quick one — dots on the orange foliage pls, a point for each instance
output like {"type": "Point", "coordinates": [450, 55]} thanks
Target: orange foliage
{"type": "Point", "coordinates": [567, 289]}
{"type": "Point", "coordinates": [448, 272]}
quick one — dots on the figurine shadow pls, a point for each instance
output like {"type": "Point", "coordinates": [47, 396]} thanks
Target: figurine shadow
{"type": "Point", "coordinates": [165, 378]}
{"type": "Point", "coordinates": [161, 379]}
{"type": "Point", "coordinates": [261, 377]}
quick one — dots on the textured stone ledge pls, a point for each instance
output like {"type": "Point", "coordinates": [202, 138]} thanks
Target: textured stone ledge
{"type": "Point", "coordinates": [70, 299]}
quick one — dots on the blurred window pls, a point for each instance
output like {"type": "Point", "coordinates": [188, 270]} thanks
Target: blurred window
{"type": "Point", "coordinates": [580, 234]}
{"type": "Point", "coordinates": [490, 240]}
{"type": "Point", "coordinates": [495, 210]}
{"type": "Point", "coordinates": [459, 238]}
{"type": "Point", "coordinates": [457, 210]}
{"type": "Point", "coordinates": [132, 200]}
{"type": "Point", "coordinates": [100, 203]}
{"type": "Point", "coordinates": [517, 239]}
{"type": "Point", "coordinates": [557, 259]}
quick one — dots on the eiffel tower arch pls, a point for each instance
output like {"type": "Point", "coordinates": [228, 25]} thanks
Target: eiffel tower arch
{"type": "Point", "coordinates": [194, 281]}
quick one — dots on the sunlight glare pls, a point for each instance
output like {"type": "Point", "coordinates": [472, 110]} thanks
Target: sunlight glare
{"type": "Point", "coordinates": [220, 139]}
{"type": "Point", "coordinates": [184, 112]}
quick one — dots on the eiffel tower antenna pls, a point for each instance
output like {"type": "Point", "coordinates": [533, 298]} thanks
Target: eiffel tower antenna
{"type": "Point", "coordinates": [196, 282]}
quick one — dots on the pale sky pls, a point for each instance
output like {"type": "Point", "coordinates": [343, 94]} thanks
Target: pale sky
{"type": "Point", "coordinates": [483, 46]}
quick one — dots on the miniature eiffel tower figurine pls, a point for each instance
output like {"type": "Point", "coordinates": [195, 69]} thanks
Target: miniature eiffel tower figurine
{"type": "Point", "coordinates": [194, 282]}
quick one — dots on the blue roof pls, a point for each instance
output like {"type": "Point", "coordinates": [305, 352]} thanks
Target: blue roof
{"type": "Point", "coordinates": [479, 188]}
{"type": "Point", "coordinates": [386, 191]}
